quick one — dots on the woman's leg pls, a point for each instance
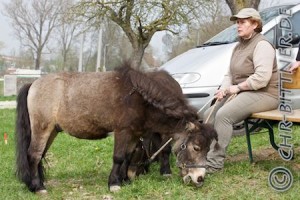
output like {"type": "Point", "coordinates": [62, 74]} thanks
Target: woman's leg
{"type": "Point", "coordinates": [211, 111]}
{"type": "Point", "coordinates": [234, 111]}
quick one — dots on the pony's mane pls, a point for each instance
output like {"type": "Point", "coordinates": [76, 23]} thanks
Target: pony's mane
{"type": "Point", "coordinates": [160, 90]}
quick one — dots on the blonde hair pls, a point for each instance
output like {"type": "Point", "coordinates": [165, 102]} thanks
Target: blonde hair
{"type": "Point", "coordinates": [258, 29]}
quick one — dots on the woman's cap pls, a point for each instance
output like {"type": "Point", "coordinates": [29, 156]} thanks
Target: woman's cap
{"type": "Point", "coordinates": [246, 13]}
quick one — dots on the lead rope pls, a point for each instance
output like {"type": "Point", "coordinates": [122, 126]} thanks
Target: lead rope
{"type": "Point", "coordinates": [214, 106]}
{"type": "Point", "coordinates": [159, 150]}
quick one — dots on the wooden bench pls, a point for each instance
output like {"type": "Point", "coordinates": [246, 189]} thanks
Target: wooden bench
{"type": "Point", "coordinates": [268, 118]}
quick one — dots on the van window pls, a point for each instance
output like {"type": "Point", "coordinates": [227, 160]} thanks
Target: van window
{"type": "Point", "coordinates": [270, 35]}
{"type": "Point", "coordinates": [296, 25]}
{"type": "Point", "coordinates": [229, 35]}
{"type": "Point", "coordinates": [270, 13]}
{"type": "Point", "coordinates": [296, 22]}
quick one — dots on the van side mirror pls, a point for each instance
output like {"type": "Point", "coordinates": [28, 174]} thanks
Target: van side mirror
{"type": "Point", "coordinates": [288, 41]}
{"type": "Point", "coordinates": [295, 38]}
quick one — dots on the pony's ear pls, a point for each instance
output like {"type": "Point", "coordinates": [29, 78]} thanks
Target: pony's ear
{"type": "Point", "coordinates": [213, 135]}
{"type": "Point", "coordinates": [209, 131]}
{"type": "Point", "coordinates": [217, 146]}
{"type": "Point", "coordinates": [192, 126]}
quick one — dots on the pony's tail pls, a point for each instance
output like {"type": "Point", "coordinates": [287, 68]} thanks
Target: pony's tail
{"type": "Point", "coordinates": [23, 136]}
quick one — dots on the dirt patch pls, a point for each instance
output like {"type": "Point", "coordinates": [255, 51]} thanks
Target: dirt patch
{"type": "Point", "coordinates": [262, 154]}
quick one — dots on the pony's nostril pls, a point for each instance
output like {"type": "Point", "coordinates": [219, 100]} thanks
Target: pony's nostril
{"type": "Point", "coordinates": [200, 179]}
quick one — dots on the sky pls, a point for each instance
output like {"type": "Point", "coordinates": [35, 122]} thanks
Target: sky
{"type": "Point", "coordinates": [12, 44]}
{"type": "Point", "coordinates": [6, 34]}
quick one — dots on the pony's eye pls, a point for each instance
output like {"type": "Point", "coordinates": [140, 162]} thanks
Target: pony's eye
{"type": "Point", "coordinates": [197, 148]}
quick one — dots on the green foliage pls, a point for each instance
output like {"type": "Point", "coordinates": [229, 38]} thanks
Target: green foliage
{"type": "Point", "coordinates": [79, 169]}
{"type": "Point", "coordinates": [7, 98]}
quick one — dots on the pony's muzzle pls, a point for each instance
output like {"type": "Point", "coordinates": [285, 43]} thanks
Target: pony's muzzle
{"type": "Point", "coordinates": [195, 176]}
{"type": "Point", "coordinates": [188, 180]}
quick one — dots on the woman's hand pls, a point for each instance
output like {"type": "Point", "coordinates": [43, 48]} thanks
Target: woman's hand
{"type": "Point", "coordinates": [294, 66]}
{"type": "Point", "coordinates": [220, 94]}
{"type": "Point", "coordinates": [234, 89]}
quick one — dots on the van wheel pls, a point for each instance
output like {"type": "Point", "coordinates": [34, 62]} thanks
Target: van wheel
{"type": "Point", "coordinates": [239, 128]}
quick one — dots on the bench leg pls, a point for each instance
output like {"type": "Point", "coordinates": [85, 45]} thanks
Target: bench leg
{"type": "Point", "coordinates": [271, 135]}
{"type": "Point", "coordinates": [248, 141]}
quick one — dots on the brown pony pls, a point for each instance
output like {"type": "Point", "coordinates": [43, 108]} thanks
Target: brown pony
{"type": "Point", "coordinates": [90, 105]}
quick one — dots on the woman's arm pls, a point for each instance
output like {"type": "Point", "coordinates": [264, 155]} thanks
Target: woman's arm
{"type": "Point", "coordinates": [263, 61]}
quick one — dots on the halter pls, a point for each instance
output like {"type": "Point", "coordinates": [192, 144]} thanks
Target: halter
{"type": "Point", "coordinates": [188, 166]}
{"type": "Point", "coordinates": [184, 165]}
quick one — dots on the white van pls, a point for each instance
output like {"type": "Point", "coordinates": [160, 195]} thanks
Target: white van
{"type": "Point", "coordinates": [201, 70]}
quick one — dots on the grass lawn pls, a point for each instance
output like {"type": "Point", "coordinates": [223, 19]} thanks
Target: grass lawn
{"type": "Point", "coordinates": [79, 169]}
{"type": "Point", "coordinates": [8, 98]}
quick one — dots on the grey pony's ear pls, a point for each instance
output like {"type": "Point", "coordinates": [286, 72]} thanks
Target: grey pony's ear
{"type": "Point", "coordinates": [211, 134]}
{"type": "Point", "coordinates": [217, 146]}
{"type": "Point", "coordinates": [214, 135]}
{"type": "Point", "coordinates": [192, 126]}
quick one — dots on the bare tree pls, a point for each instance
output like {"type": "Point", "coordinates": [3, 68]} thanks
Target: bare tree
{"type": "Point", "coordinates": [67, 29]}
{"type": "Point", "coordinates": [214, 18]}
{"type": "Point", "coordinates": [140, 19]}
{"type": "Point", "coordinates": [116, 45]}
{"type": "Point", "coordinates": [236, 5]}
{"type": "Point", "coordinates": [266, 3]}
{"type": "Point", "coordinates": [33, 22]}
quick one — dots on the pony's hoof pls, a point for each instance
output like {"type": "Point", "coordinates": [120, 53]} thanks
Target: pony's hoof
{"type": "Point", "coordinates": [41, 192]}
{"type": "Point", "coordinates": [114, 188]}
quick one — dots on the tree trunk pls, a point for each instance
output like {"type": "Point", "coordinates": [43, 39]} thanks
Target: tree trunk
{"type": "Point", "coordinates": [38, 60]}
{"type": "Point", "coordinates": [137, 56]}
{"type": "Point", "coordinates": [236, 5]}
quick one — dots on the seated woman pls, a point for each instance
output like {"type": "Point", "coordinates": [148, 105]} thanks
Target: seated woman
{"type": "Point", "coordinates": [252, 77]}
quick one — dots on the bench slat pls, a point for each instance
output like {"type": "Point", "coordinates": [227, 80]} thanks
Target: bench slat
{"type": "Point", "coordinates": [277, 115]}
